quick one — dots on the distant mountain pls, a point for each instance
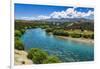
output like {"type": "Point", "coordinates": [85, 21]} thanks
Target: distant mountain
{"type": "Point", "coordinates": [81, 25]}
{"type": "Point", "coordinates": [66, 23]}
{"type": "Point", "coordinates": [68, 20]}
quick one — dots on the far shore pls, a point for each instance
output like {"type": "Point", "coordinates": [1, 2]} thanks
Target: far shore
{"type": "Point", "coordinates": [78, 39]}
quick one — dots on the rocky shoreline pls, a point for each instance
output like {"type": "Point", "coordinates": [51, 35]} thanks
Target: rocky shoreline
{"type": "Point", "coordinates": [20, 57]}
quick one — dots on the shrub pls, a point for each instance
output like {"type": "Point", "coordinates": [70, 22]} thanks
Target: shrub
{"type": "Point", "coordinates": [18, 33]}
{"type": "Point", "coordinates": [29, 27]}
{"type": "Point", "coordinates": [17, 38]}
{"type": "Point", "coordinates": [75, 35]}
{"type": "Point", "coordinates": [65, 34]}
{"type": "Point", "coordinates": [51, 59]}
{"type": "Point", "coordinates": [25, 27]}
{"type": "Point", "coordinates": [19, 45]}
{"type": "Point", "coordinates": [49, 30]}
{"type": "Point", "coordinates": [85, 36]}
{"type": "Point", "coordinates": [22, 31]}
{"type": "Point", "coordinates": [37, 55]}
{"type": "Point", "coordinates": [91, 36]}
{"type": "Point", "coordinates": [60, 32]}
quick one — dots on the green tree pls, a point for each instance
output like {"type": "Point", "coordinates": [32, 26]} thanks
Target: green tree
{"type": "Point", "coordinates": [18, 33]}
{"type": "Point", "coordinates": [91, 36]}
{"type": "Point", "coordinates": [75, 35]}
{"type": "Point", "coordinates": [51, 59]}
{"type": "Point", "coordinates": [37, 55]}
{"type": "Point", "coordinates": [61, 32]}
{"type": "Point", "coordinates": [22, 31]}
{"type": "Point", "coordinates": [49, 30]}
{"type": "Point", "coordinates": [19, 45]}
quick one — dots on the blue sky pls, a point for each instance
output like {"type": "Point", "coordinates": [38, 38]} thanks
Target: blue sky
{"type": "Point", "coordinates": [33, 12]}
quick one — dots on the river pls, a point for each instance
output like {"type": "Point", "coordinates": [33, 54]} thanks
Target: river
{"type": "Point", "coordinates": [67, 50]}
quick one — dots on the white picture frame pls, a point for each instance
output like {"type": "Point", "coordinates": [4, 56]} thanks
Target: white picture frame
{"type": "Point", "coordinates": [81, 3]}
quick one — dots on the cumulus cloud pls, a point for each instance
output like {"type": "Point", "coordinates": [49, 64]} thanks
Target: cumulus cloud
{"type": "Point", "coordinates": [68, 13]}
{"type": "Point", "coordinates": [71, 13]}
{"type": "Point", "coordinates": [27, 18]}
{"type": "Point", "coordinates": [63, 14]}
{"type": "Point", "coordinates": [83, 14]}
{"type": "Point", "coordinates": [43, 17]}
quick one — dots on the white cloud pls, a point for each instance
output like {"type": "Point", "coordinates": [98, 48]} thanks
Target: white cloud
{"type": "Point", "coordinates": [83, 14]}
{"type": "Point", "coordinates": [63, 14]}
{"type": "Point", "coordinates": [68, 13]}
{"type": "Point", "coordinates": [42, 17]}
{"type": "Point", "coordinates": [27, 18]}
{"type": "Point", "coordinates": [71, 13]}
